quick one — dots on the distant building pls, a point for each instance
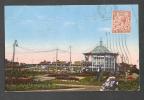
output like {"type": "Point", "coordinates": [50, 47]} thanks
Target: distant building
{"type": "Point", "coordinates": [77, 63]}
{"type": "Point", "coordinates": [101, 57]}
{"type": "Point", "coordinates": [45, 62]}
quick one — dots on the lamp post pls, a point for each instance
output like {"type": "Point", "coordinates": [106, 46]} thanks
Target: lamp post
{"type": "Point", "coordinates": [14, 46]}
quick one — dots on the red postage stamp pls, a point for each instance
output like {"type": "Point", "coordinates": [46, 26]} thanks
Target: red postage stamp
{"type": "Point", "coordinates": [121, 21]}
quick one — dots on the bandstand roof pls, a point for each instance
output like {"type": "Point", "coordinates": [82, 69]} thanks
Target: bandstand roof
{"type": "Point", "coordinates": [100, 50]}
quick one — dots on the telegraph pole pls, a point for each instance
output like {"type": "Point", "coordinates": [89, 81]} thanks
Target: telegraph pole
{"type": "Point", "coordinates": [56, 56]}
{"type": "Point", "coordinates": [107, 40]}
{"type": "Point", "coordinates": [70, 55]}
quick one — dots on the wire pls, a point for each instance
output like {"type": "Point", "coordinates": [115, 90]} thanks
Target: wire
{"type": "Point", "coordinates": [27, 49]}
{"type": "Point", "coordinates": [40, 51]}
{"type": "Point", "coordinates": [65, 51]}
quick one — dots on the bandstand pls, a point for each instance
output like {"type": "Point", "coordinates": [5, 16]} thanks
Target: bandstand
{"type": "Point", "coordinates": [101, 57]}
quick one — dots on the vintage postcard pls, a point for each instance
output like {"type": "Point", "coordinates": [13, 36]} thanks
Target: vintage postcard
{"type": "Point", "coordinates": [72, 48]}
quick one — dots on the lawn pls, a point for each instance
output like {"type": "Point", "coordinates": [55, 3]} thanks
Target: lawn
{"type": "Point", "coordinates": [89, 80]}
{"type": "Point", "coordinates": [34, 86]}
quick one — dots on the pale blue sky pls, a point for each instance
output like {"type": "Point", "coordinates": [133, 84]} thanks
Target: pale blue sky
{"type": "Point", "coordinates": [50, 27]}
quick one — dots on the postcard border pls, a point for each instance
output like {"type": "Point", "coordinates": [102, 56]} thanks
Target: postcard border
{"type": "Point", "coordinates": [70, 95]}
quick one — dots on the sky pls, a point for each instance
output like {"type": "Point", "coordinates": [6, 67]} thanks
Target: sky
{"type": "Point", "coordinates": [44, 28]}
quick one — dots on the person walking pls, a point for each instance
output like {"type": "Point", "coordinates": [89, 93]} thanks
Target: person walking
{"type": "Point", "coordinates": [111, 84]}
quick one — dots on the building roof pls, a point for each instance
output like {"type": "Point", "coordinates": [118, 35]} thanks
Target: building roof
{"type": "Point", "coordinates": [100, 49]}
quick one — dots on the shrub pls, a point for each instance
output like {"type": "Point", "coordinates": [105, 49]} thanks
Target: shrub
{"type": "Point", "coordinates": [129, 85]}
{"type": "Point", "coordinates": [19, 80]}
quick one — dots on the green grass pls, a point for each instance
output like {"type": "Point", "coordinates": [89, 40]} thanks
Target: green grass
{"type": "Point", "coordinates": [90, 81]}
{"type": "Point", "coordinates": [32, 86]}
